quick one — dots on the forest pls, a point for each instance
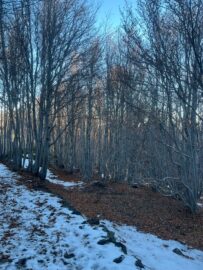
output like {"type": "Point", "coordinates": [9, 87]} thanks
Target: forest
{"type": "Point", "coordinates": [123, 105]}
{"type": "Point", "coordinates": [101, 136]}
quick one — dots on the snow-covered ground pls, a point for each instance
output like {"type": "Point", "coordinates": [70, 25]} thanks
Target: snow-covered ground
{"type": "Point", "coordinates": [37, 232]}
{"type": "Point", "coordinates": [53, 179]}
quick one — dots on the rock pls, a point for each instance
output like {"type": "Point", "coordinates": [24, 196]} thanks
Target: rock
{"type": "Point", "coordinates": [119, 259]}
{"type": "Point", "coordinates": [69, 255]}
{"type": "Point", "coordinates": [22, 262]}
{"type": "Point", "coordinates": [139, 264]}
{"type": "Point", "coordinates": [178, 251]}
{"type": "Point", "coordinates": [122, 246]}
{"type": "Point", "coordinates": [104, 242]}
{"type": "Point", "coordinates": [84, 222]}
{"type": "Point", "coordinates": [93, 221]}
{"type": "Point", "coordinates": [110, 238]}
{"type": "Point", "coordinates": [117, 244]}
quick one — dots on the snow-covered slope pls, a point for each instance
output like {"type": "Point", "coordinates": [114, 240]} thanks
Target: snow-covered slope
{"type": "Point", "coordinates": [37, 232]}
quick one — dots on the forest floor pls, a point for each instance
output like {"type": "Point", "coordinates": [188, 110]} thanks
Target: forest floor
{"type": "Point", "coordinates": [137, 206]}
{"type": "Point", "coordinates": [39, 230]}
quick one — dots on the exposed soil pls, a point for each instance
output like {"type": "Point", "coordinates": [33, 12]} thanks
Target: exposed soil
{"type": "Point", "coordinates": [149, 211]}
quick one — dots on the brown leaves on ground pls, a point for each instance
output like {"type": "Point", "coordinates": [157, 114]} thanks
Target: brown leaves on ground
{"type": "Point", "coordinates": [149, 211]}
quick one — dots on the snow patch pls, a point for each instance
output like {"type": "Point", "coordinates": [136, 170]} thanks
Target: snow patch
{"type": "Point", "coordinates": [51, 177]}
{"type": "Point", "coordinates": [55, 180]}
{"type": "Point", "coordinates": [38, 232]}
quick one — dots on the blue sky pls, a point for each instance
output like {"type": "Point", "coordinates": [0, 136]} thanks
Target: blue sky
{"type": "Point", "coordinates": [110, 9]}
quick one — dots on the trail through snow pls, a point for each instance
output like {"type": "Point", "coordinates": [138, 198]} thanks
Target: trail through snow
{"type": "Point", "coordinates": [38, 233]}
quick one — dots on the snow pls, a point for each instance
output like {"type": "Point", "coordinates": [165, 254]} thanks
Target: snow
{"type": "Point", "coordinates": [37, 232]}
{"type": "Point", "coordinates": [25, 162]}
{"type": "Point", "coordinates": [52, 178]}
